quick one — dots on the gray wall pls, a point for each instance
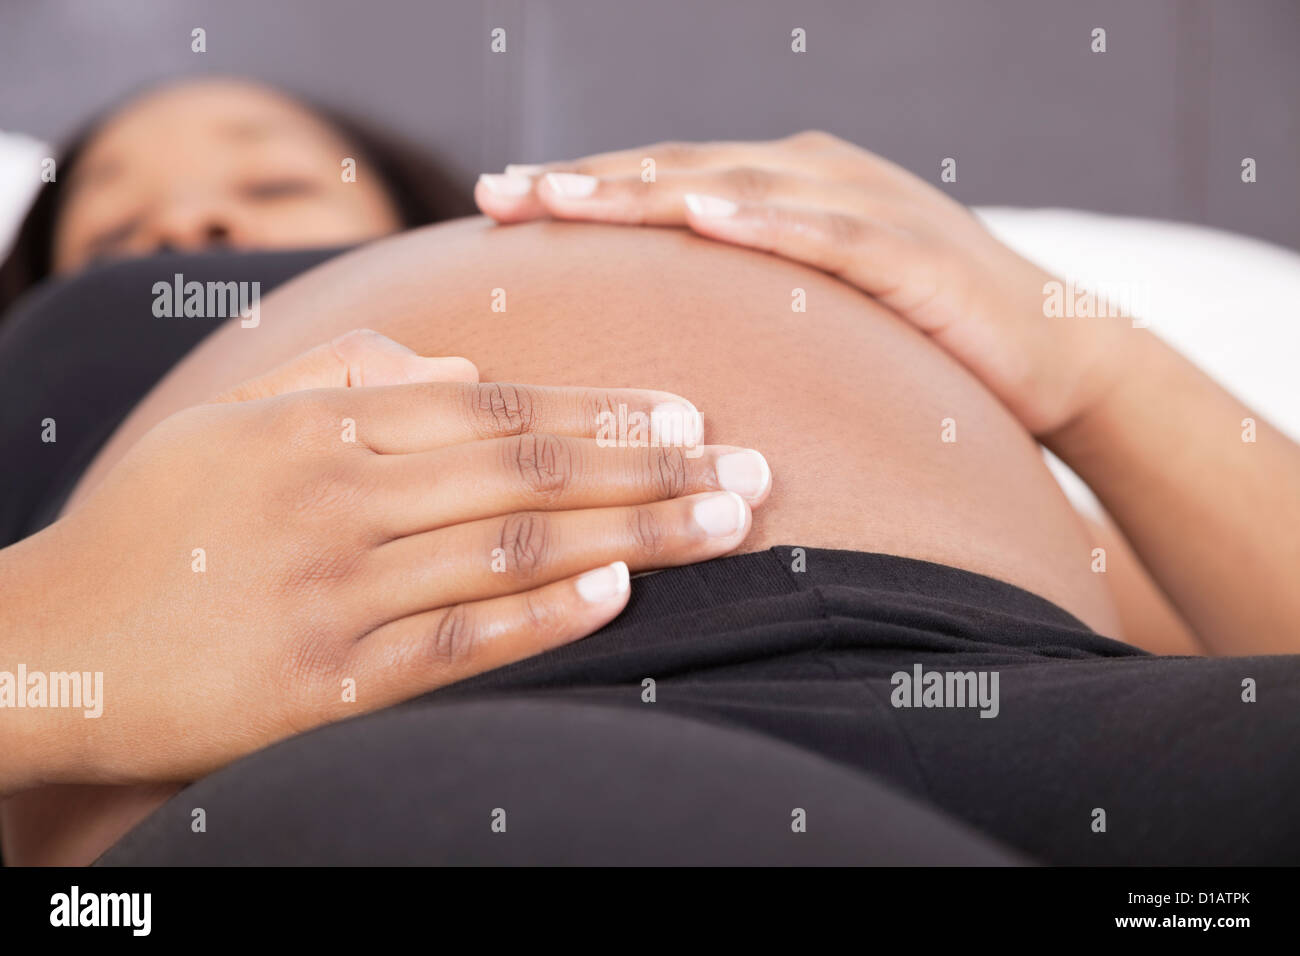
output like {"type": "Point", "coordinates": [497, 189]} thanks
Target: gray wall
{"type": "Point", "coordinates": [1156, 126]}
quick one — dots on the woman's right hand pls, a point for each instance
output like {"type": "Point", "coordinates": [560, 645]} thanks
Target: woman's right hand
{"type": "Point", "coordinates": [254, 568]}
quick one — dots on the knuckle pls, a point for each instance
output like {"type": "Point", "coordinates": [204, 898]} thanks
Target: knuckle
{"type": "Point", "coordinates": [666, 467]}
{"type": "Point", "coordinates": [749, 182]}
{"type": "Point", "coordinates": [600, 408]}
{"type": "Point", "coordinates": [351, 348]}
{"type": "Point", "coordinates": [497, 410]}
{"type": "Point", "coordinates": [356, 339]}
{"type": "Point", "coordinates": [540, 616]}
{"type": "Point", "coordinates": [524, 540]}
{"type": "Point", "coordinates": [363, 336]}
{"type": "Point", "coordinates": [543, 463]}
{"type": "Point", "coordinates": [303, 420]}
{"type": "Point", "coordinates": [312, 571]}
{"type": "Point", "coordinates": [452, 636]}
{"type": "Point", "coordinates": [646, 529]}
{"type": "Point", "coordinates": [844, 231]}
{"type": "Point", "coordinates": [327, 492]}
{"type": "Point", "coordinates": [315, 658]}
{"type": "Point", "coordinates": [674, 153]}
{"type": "Point", "coordinates": [813, 139]}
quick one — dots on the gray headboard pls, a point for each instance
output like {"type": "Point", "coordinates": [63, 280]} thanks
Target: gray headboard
{"type": "Point", "coordinates": [1155, 126]}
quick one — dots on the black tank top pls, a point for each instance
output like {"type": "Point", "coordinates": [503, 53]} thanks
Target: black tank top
{"type": "Point", "coordinates": [77, 354]}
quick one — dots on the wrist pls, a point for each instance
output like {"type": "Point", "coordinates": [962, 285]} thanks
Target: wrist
{"type": "Point", "coordinates": [1072, 360]}
{"type": "Point", "coordinates": [1105, 386]}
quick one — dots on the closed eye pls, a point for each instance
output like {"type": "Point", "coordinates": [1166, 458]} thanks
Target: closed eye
{"type": "Point", "coordinates": [267, 190]}
{"type": "Point", "coordinates": [109, 240]}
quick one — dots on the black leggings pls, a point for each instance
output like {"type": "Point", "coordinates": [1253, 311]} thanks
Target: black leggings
{"type": "Point", "coordinates": [509, 781]}
{"type": "Point", "coordinates": [775, 691]}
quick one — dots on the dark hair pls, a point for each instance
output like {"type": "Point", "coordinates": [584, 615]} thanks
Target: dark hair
{"type": "Point", "coordinates": [419, 187]}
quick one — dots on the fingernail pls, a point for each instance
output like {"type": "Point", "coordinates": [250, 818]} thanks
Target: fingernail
{"type": "Point", "coordinates": [710, 206]}
{"type": "Point", "coordinates": [523, 169]}
{"type": "Point", "coordinates": [676, 425]}
{"type": "Point", "coordinates": [720, 515]}
{"type": "Point", "coordinates": [744, 472]}
{"type": "Point", "coordinates": [571, 185]}
{"type": "Point", "coordinates": [506, 185]}
{"type": "Point", "coordinates": [604, 584]}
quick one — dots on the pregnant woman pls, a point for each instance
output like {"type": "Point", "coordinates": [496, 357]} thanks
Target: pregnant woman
{"type": "Point", "coordinates": [912, 530]}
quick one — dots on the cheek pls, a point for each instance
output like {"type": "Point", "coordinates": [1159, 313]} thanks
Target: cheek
{"type": "Point", "coordinates": [70, 250]}
{"type": "Point", "coordinates": [365, 204]}
{"type": "Point", "coordinates": [71, 234]}
{"type": "Point", "coordinates": [335, 220]}
{"type": "Point", "coordinates": [64, 259]}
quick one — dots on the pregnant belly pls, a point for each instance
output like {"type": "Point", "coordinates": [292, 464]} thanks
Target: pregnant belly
{"type": "Point", "coordinates": [878, 441]}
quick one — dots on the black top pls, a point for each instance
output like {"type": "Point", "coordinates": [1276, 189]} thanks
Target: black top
{"type": "Point", "coordinates": [83, 352]}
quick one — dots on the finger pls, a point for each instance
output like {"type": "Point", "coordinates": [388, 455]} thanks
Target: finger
{"type": "Point", "coordinates": [521, 192]}
{"type": "Point", "coordinates": [421, 417]}
{"type": "Point", "coordinates": [514, 196]}
{"type": "Point", "coordinates": [673, 156]}
{"type": "Point", "coordinates": [425, 651]}
{"type": "Point", "coordinates": [630, 201]}
{"type": "Point", "coordinates": [476, 480]}
{"type": "Point", "coordinates": [479, 559]}
{"type": "Point", "coordinates": [878, 258]}
{"type": "Point", "coordinates": [508, 198]}
{"type": "Point", "coordinates": [357, 358]}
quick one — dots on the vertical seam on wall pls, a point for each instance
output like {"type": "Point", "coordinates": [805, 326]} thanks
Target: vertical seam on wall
{"type": "Point", "coordinates": [1192, 71]}
{"type": "Point", "coordinates": [499, 110]}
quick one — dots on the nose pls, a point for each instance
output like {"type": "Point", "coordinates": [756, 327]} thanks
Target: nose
{"type": "Point", "coordinates": [188, 226]}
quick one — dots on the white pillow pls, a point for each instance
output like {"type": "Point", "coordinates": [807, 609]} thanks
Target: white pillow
{"type": "Point", "coordinates": [1228, 302]}
{"type": "Point", "coordinates": [20, 178]}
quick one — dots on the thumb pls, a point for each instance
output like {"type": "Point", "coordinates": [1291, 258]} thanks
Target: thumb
{"type": "Point", "coordinates": [355, 359]}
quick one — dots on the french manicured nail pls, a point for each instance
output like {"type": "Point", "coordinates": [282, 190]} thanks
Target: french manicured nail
{"type": "Point", "coordinates": [571, 185]}
{"type": "Point", "coordinates": [604, 584]}
{"type": "Point", "coordinates": [675, 424]}
{"type": "Point", "coordinates": [720, 515]}
{"type": "Point", "coordinates": [710, 207]}
{"type": "Point", "coordinates": [744, 472]}
{"type": "Point", "coordinates": [523, 169]}
{"type": "Point", "coordinates": [506, 185]}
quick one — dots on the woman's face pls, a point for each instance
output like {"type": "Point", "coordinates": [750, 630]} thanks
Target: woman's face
{"type": "Point", "coordinates": [215, 163]}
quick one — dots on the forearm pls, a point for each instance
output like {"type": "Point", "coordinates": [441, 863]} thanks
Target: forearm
{"type": "Point", "coordinates": [1215, 518]}
{"type": "Point", "coordinates": [40, 739]}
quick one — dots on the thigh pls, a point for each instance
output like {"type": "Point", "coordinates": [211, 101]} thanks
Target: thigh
{"type": "Point", "coordinates": [1144, 761]}
{"type": "Point", "coordinates": [531, 782]}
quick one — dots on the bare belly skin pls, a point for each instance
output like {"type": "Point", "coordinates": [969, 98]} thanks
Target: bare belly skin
{"type": "Point", "coordinates": [846, 400]}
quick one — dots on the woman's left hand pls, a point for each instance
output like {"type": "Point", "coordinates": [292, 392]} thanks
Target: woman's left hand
{"type": "Point", "coordinates": [812, 197]}
{"type": "Point", "coordinates": [816, 199]}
